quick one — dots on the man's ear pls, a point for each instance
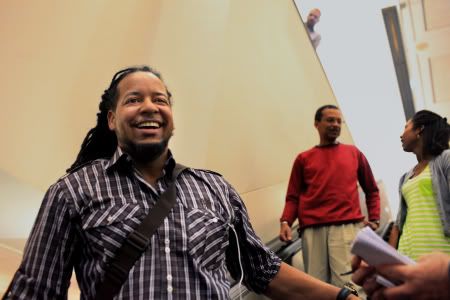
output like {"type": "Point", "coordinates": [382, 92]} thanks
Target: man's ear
{"type": "Point", "coordinates": [111, 120]}
{"type": "Point", "coordinates": [316, 124]}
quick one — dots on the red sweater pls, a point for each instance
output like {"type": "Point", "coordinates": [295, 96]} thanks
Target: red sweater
{"type": "Point", "coordinates": [323, 187]}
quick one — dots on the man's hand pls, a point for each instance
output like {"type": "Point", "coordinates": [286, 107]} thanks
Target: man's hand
{"type": "Point", "coordinates": [428, 279]}
{"type": "Point", "coordinates": [374, 225]}
{"type": "Point", "coordinates": [364, 275]}
{"type": "Point", "coordinates": [285, 232]}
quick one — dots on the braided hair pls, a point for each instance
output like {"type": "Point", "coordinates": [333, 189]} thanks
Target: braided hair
{"type": "Point", "coordinates": [100, 141]}
{"type": "Point", "coordinates": [435, 131]}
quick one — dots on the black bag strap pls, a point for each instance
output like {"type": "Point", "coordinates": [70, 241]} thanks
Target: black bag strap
{"type": "Point", "coordinates": [117, 271]}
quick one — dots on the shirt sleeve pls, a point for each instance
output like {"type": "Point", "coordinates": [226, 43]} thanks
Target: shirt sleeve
{"type": "Point", "coordinates": [445, 191]}
{"type": "Point", "coordinates": [369, 186]}
{"type": "Point", "coordinates": [46, 267]}
{"type": "Point", "coordinates": [259, 264]}
{"type": "Point", "coordinates": [401, 213]}
{"type": "Point", "coordinates": [295, 187]}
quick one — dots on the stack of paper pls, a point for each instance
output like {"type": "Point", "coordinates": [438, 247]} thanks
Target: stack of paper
{"type": "Point", "coordinates": [375, 251]}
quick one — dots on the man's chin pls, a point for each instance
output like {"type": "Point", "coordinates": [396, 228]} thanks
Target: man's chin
{"type": "Point", "coordinates": [333, 137]}
{"type": "Point", "coordinates": [149, 151]}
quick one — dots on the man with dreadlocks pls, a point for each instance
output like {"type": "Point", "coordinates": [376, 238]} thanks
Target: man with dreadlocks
{"type": "Point", "coordinates": [121, 172]}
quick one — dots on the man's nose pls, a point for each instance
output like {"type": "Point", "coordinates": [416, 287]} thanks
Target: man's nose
{"type": "Point", "coordinates": [336, 123]}
{"type": "Point", "coordinates": [148, 105]}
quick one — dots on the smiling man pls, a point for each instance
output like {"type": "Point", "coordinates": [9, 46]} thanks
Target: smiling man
{"type": "Point", "coordinates": [121, 175]}
{"type": "Point", "coordinates": [323, 195]}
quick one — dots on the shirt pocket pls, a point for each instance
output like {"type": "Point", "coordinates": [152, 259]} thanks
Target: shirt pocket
{"type": "Point", "coordinates": [208, 238]}
{"type": "Point", "coordinates": [106, 229]}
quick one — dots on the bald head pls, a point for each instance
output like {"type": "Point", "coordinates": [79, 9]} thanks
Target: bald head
{"type": "Point", "coordinates": [313, 17]}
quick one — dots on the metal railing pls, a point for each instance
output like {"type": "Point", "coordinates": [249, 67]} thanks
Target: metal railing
{"type": "Point", "coordinates": [283, 250]}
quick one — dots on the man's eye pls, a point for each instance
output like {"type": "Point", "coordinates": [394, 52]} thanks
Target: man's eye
{"type": "Point", "coordinates": [132, 100]}
{"type": "Point", "coordinates": [161, 100]}
{"type": "Point", "coordinates": [332, 120]}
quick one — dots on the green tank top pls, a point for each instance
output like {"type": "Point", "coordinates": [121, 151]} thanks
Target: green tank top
{"type": "Point", "coordinates": [423, 232]}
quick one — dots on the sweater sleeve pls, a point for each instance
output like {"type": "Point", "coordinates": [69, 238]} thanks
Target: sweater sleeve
{"type": "Point", "coordinates": [369, 186]}
{"type": "Point", "coordinates": [295, 186]}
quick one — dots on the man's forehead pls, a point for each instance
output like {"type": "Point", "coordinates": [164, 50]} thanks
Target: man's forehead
{"type": "Point", "coordinates": [331, 112]}
{"type": "Point", "coordinates": [143, 79]}
{"type": "Point", "coordinates": [315, 12]}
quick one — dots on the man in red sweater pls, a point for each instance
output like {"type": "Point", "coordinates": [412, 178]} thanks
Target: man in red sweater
{"type": "Point", "coordinates": [323, 195]}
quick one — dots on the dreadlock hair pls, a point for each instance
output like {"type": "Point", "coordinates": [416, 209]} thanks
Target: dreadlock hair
{"type": "Point", "coordinates": [100, 141]}
{"type": "Point", "coordinates": [319, 111]}
{"type": "Point", "coordinates": [435, 131]}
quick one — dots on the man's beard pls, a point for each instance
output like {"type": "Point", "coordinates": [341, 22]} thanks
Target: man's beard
{"type": "Point", "coordinates": [332, 136]}
{"type": "Point", "coordinates": [147, 152]}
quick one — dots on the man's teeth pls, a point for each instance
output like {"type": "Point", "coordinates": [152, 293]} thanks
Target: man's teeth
{"type": "Point", "coordinates": [151, 124]}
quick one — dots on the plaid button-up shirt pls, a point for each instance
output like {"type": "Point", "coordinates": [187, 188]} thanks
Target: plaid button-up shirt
{"type": "Point", "coordinates": [86, 215]}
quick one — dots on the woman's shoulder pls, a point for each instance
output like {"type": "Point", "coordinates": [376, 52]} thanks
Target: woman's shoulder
{"type": "Point", "coordinates": [444, 157]}
{"type": "Point", "coordinates": [441, 162]}
{"type": "Point", "coordinates": [445, 153]}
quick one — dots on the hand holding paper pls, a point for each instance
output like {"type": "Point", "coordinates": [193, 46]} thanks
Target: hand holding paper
{"type": "Point", "coordinates": [375, 251]}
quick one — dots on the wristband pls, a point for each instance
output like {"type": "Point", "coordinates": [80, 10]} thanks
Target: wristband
{"type": "Point", "coordinates": [344, 293]}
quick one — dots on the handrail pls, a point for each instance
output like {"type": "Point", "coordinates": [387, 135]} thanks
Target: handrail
{"type": "Point", "coordinates": [284, 250]}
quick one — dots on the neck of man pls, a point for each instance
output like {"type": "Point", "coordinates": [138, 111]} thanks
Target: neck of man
{"type": "Point", "coordinates": [310, 27]}
{"type": "Point", "coordinates": [327, 142]}
{"type": "Point", "coordinates": [152, 170]}
{"type": "Point", "coordinates": [149, 159]}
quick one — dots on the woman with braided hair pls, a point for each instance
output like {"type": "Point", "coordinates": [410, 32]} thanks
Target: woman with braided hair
{"type": "Point", "coordinates": [423, 220]}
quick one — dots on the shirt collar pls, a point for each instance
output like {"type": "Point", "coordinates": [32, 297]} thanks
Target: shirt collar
{"type": "Point", "coordinates": [336, 143]}
{"type": "Point", "coordinates": [122, 160]}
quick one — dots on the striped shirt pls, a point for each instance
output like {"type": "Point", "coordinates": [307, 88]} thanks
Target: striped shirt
{"type": "Point", "coordinates": [423, 232]}
{"type": "Point", "coordinates": [86, 215]}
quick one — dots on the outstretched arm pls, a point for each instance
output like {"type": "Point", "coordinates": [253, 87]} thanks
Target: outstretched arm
{"type": "Point", "coordinates": [428, 279]}
{"type": "Point", "coordinates": [290, 283]}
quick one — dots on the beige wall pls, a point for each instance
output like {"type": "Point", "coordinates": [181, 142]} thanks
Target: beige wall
{"type": "Point", "coordinates": [245, 79]}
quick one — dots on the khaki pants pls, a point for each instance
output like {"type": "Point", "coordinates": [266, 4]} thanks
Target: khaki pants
{"type": "Point", "coordinates": [326, 251]}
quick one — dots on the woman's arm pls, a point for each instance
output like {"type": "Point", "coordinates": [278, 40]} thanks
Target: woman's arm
{"type": "Point", "coordinates": [394, 236]}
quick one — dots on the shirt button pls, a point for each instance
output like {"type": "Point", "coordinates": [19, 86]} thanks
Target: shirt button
{"type": "Point", "coordinates": [169, 288]}
{"type": "Point", "coordinates": [167, 249]}
{"type": "Point", "coordinates": [169, 277]}
{"type": "Point", "coordinates": [167, 241]}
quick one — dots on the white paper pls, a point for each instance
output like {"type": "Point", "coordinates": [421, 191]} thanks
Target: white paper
{"type": "Point", "coordinates": [375, 251]}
